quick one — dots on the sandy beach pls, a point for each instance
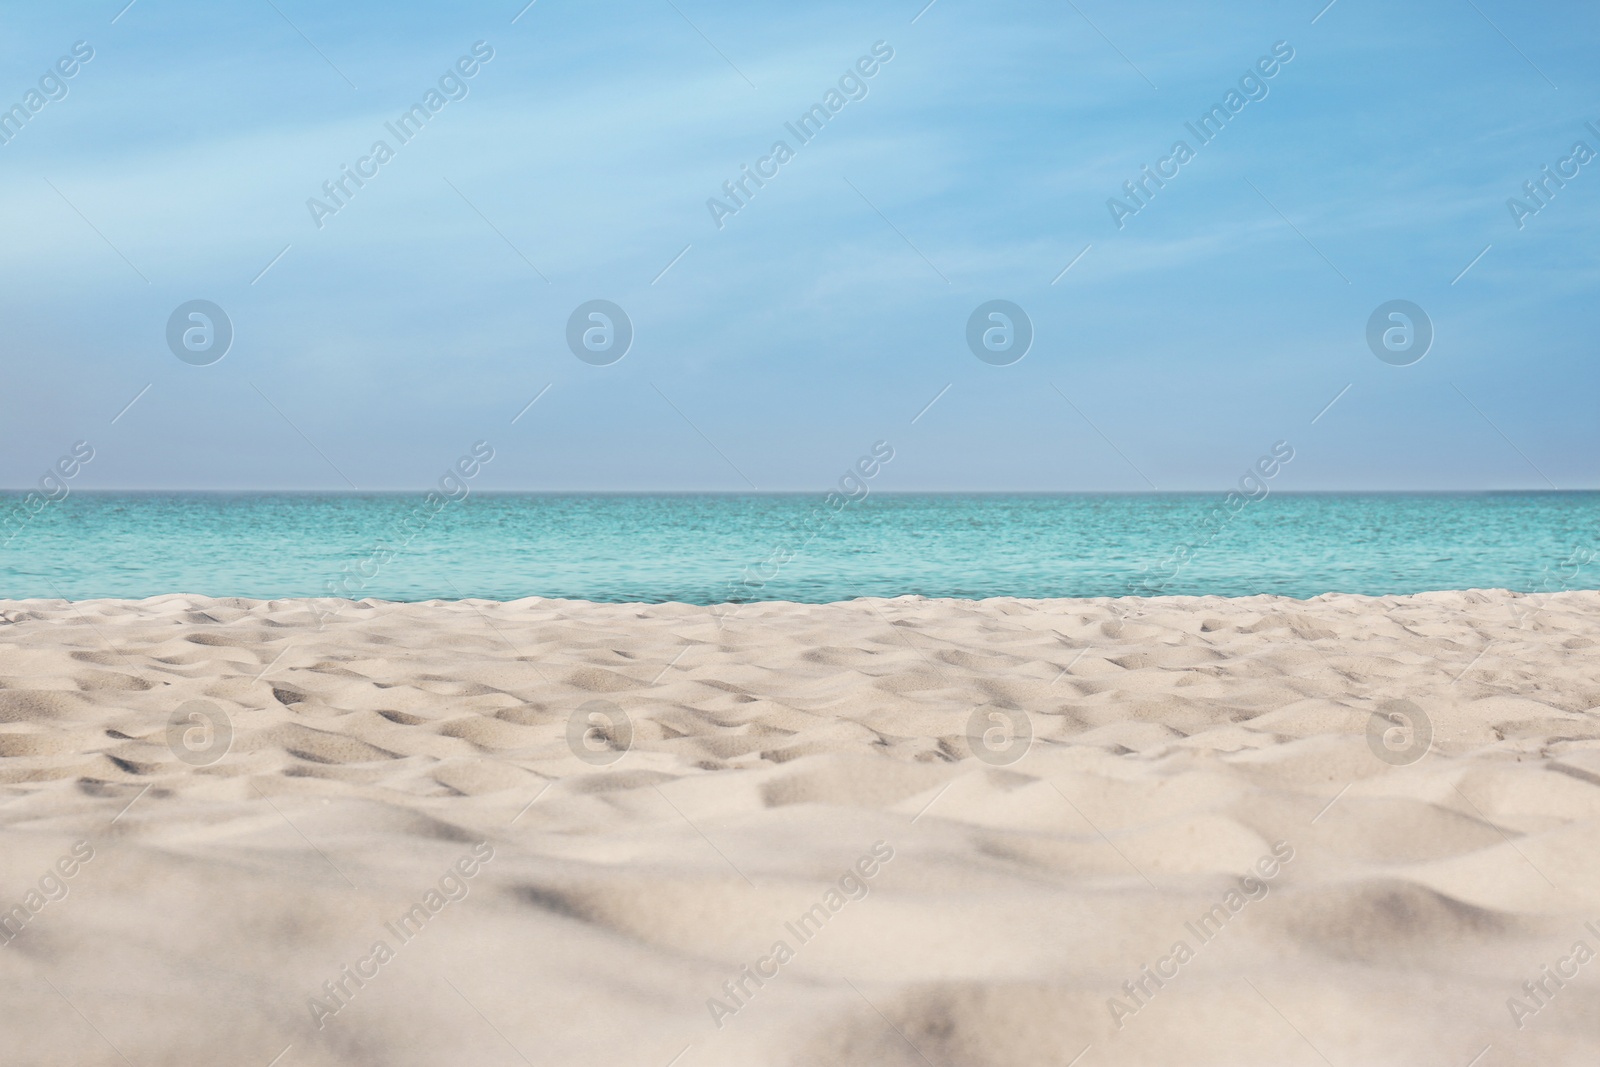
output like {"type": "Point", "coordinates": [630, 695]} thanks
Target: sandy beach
{"type": "Point", "coordinates": [887, 832]}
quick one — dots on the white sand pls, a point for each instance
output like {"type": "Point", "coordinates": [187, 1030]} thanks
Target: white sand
{"type": "Point", "coordinates": [1177, 741]}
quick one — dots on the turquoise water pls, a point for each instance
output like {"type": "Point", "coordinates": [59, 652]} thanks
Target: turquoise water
{"type": "Point", "coordinates": [713, 548]}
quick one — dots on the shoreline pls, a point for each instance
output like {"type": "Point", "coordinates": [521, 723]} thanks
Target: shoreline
{"type": "Point", "coordinates": [1485, 591]}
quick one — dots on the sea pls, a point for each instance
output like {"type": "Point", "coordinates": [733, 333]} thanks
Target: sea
{"type": "Point", "coordinates": [716, 548]}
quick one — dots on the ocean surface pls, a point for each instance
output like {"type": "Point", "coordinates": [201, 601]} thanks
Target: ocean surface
{"type": "Point", "coordinates": [727, 547]}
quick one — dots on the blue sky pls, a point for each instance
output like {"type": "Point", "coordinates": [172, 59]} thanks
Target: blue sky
{"type": "Point", "coordinates": [827, 313]}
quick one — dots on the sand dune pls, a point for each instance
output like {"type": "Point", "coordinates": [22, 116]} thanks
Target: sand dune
{"type": "Point", "coordinates": [1065, 791]}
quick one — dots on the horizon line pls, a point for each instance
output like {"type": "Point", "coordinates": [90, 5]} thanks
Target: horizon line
{"type": "Point", "coordinates": [411, 491]}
